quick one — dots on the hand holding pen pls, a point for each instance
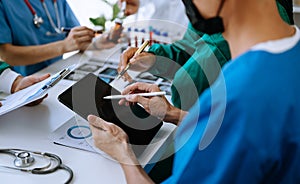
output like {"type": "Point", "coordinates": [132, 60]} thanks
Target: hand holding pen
{"type": "Point", "coordinates": [67, 30]}
{"type": "Point", "coordinates": [141, 61]}
{"type": "Point", "coordinates": [79, 38]}
{"type": "Point", "coordinates": [156, 105]}
{"type": "Point", "coordinates": [138, 51]}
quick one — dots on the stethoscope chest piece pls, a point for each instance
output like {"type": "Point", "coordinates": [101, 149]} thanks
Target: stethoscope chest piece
{"type": "Point", "coordinates": [23, 159]}
{"type": "Point", "coordinates": [37, 21]}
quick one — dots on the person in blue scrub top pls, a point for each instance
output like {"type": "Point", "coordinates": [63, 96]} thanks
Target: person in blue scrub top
{"type": "Point", "coordinates": [246, 127]}
{"type": "Point", "coordinates": [31, 35]}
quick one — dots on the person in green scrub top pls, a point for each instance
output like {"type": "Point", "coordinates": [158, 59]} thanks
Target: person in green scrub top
{"type": "Point", "coordinates": [192, 63]}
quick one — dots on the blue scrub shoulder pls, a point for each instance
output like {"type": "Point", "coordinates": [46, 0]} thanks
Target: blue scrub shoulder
{"type": "Point", "coordinates": [259, 134]}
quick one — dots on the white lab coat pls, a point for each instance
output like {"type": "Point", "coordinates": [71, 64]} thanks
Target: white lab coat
{"type": "Point", "coordinates": [170, 10]}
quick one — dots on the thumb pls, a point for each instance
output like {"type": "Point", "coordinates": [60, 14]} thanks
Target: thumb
{"type": "Point", "coordinates": [43, 77]}
{"type": "Point", "coordinates": [97, 122]}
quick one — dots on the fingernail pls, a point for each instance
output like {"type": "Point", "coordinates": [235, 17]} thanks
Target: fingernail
{"type": "Point", "coordinates": [91, 117]}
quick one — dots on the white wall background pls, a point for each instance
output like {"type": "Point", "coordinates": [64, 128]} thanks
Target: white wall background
{"type": "Point", "coordinates": [84, 9]}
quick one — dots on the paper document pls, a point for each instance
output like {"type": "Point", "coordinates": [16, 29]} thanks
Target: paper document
{"type": "Point", "coordinates": [75, 133]}
{"type": "Point", "coordinates": [32, 93]}
{"type": "Point", "coordinates": [21, 98]}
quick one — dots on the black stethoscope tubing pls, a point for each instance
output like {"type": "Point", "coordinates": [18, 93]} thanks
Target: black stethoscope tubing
{"type": "Point", "coordinates": [59, 166]}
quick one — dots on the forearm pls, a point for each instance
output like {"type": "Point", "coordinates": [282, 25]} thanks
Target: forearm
{"type": "Point", "coordinates": [26, 55]}
{"type": "Point", "coordinates": [175, 115]}
{"type": "Point", "coordinates": [136, 174]}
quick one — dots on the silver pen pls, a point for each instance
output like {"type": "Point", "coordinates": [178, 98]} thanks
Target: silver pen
{"type": "Point", "coordinates": [52, 82]}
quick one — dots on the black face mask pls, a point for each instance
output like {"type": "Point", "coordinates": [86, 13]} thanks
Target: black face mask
{"type": "Point", "coordinates": [209, 26]}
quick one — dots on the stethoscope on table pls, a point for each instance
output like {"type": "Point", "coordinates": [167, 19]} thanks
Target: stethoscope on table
{"type": "Point", "coordinates": [37, 20]}
{"type": "Point", "coordinates": [25, 158]}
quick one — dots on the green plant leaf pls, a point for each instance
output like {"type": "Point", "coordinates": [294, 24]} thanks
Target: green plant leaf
{"type": "Point", "coordinates": [99, 21]}
{"type": "Point", "coordinates": [116, 11]}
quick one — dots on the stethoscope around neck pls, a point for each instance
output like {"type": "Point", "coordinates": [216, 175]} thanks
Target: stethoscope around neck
{"type": "Point", "coordinates": [25, 158]}
{"type": "Point", "coordinates": [37, 20]}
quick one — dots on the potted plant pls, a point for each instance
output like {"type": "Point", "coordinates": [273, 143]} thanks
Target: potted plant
{"type": "Point", "coordinates": [116, 13]}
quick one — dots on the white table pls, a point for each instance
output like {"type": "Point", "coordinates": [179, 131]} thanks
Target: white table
{"type": "Point", "coordinates": [29, 128]}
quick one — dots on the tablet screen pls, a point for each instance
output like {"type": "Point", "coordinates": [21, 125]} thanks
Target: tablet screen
{"type": "Point", "coordinates": [86, 97]}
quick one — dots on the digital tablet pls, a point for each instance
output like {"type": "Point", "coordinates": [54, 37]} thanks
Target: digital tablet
{"type": "Point", "coordinates": [86, 97]}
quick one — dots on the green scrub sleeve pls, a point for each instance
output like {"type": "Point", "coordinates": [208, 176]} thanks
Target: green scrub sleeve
{"type": "Point", "coordinates": [172, 56]}
{"type": "Point", "coordinates": [3, 66]}
{"type": "Point", "coordinates": [200, 71]}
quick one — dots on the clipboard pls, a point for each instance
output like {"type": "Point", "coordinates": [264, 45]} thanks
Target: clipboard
{"type": "Point", "coordinates": [32, 93]}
